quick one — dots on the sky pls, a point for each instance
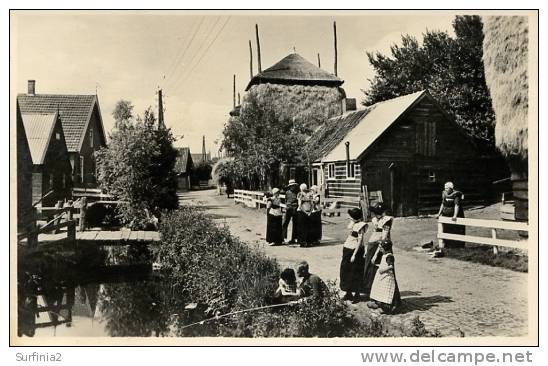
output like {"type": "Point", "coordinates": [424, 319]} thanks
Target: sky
{"type": "Point", "coordinates": [192, 57]}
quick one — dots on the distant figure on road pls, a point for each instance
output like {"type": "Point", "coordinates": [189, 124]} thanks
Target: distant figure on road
{"type": "Point", "coordinates": [352, 262]}
{"type": "Point", "coordinates": [274, 218]}
{"type": "Point", "coordinates": [305, 233]}
{"type": "Point", "coordinates": [310, 284]}
{"type": "Point", "coordinates": [291, 204]}
{"type": "Point", "coordinates": [451, 206]}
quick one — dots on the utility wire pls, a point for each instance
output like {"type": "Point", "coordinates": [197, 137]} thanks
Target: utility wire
{"type": "Point", "coordinates": [193, 58]}
{"type": "Point", "coordinates": [189, 74]}
{"type": "Point", "coordinates": [181, 55]}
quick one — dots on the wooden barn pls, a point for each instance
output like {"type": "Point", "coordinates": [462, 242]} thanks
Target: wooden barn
{"type": "Point", "coordinates": [183, 168]}
{"type": "Point", "coordinates": [407, 148]}
{"type": "Point", "coordinates": [51, 170]}
{"type": "Point", "coordinates": [24, 175]}
{"type": "Point", "coordinates": [82, 125]}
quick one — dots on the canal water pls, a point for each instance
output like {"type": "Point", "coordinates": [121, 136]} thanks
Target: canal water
{"type": "Point", "coordinates": [114, 300]}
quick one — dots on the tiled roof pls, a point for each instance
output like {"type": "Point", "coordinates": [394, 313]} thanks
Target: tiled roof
{"type": "Point", "coordinates": [181, 163]}
{"type": "Point", "coordinates": [370, 126]}
{"type": "Point", "coordinates": [74, 110]}
{"type": "Point", "coordinates": [38, 128]}
{"type": "Point", "coordinates": [295, 69]}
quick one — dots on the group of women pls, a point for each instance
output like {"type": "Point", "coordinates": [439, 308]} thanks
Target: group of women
{"type": "Point", "coordinates": [303, 207]}
{"type": "Point", "coordinates": [368, 269]}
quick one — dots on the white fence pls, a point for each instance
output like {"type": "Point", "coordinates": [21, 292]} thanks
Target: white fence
{"type": "Point", "coordinates": [252, 198]}
{"type": "Point", "coordinates": [488, 224]}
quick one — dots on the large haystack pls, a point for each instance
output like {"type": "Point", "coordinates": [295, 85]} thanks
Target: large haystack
{"type": "Point", "coordinates": [505, 55]}
{"type": "Point", "coordinates": [308, 105]}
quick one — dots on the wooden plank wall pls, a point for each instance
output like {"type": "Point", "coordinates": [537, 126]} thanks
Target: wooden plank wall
{"type": "Point", "coordinates": [341, 186]}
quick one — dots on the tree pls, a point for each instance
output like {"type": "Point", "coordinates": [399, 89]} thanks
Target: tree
{"type": "Point", "coordinates": [123, 111]}
{"type": "Point", "coordinates": [259, 140]}
{"type": "Point", "coordinates": [451, 69]}
{"type": "Point", "coordinates": [137, 167]}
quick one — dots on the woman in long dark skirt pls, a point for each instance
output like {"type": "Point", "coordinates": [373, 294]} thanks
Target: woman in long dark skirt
{"type": "Point", "coordinates": [315, 217]}
{"type": "Point", "coordinates": [305, 199]}
{"type": "Point", "coordinates": [451, 206]}
{"type": "Point", "coordinates": [379, 241]}
{"type": "Point", "coordinates": [274, 232]}
{"type": "Point", "coordinates": [352, 262]}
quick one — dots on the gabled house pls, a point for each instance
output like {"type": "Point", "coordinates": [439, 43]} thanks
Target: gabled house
{"type": "Point", "coordinates": [51, 170]}
{"type": "Point", "coordinates": [24, 175]}
{"type": "Point", "coordinates": [82, 125]}
{"type": "Point", "coordinates": [183, 168]}
{"type": "Point", "coordinates": [407, 148]}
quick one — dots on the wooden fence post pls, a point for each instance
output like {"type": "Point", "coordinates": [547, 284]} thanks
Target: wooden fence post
{"type": "Point", "coordinates": [58, 205]}
{"type": "Point", "coordinates": [441, 244]}
{"type": "Point", "coordinates": [494, 236]}
{"type": "Point", "coordinates": [83, 208]}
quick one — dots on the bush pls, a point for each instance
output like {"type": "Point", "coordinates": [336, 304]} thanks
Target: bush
{"type": "Point", "coordinates": [137, 168]}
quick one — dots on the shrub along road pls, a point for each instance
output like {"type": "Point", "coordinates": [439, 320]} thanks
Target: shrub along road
{"type": "Point", "coordinates": [453, 296]}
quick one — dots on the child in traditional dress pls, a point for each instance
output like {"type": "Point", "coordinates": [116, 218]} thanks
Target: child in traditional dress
{"type": "Point", "coordinates": [385, 292]}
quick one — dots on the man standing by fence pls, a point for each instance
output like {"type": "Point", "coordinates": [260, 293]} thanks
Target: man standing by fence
{"type": "Point", "coordinates": [291, 203]}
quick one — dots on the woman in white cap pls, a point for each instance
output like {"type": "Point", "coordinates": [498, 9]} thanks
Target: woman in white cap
{"type": "Point", "coordinates": [451, 206]}
{"type": "Point", "coordinates": [274, 218]}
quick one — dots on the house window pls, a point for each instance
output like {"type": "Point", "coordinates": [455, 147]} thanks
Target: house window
{"type": "Point", "coordinates": [64, 181]}
{"type": "Point", "coordinates": [91, 137]}
{"type": "Point", "coordinates": [431, 176]}
{"type": "Point", "coordinates": [58, 135]}
{"type": "Point", "coordinates": [51, 181]}
{"type": "Point", "coordinates": [350, 170]}
{"type": "Point", "coordinates": [81, 169]}
{"type": "Point", "coordinates": [331, 171]}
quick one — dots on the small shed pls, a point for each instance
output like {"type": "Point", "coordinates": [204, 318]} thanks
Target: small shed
{"type": "Point", "coordinates": [183, 168]}
{"type": "Point", "coordinates": [51, 169]}
{"type": "Point", "coordinates": [406, 147]}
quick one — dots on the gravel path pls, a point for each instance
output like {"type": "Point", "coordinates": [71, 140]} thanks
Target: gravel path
{"type": "Point", "coordinates": [456, 297]}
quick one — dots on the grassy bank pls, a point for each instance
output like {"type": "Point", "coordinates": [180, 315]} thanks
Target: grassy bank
{"type": "Point", "coordinates": [218, 274]}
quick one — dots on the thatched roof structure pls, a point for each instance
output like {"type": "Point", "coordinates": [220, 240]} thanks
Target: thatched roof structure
{"type": "Point", "coordinates": [295, 70]}
{"type": "Point", "coordinates": [505, 56]}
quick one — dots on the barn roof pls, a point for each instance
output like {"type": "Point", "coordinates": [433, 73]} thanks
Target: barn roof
{"type": "Point", "coordinates": [295, 69]}
{"type": "Point", "coordinates": [39, 128]}
{"type": "Point", "coordinates": [332, 132]}
{"type": "Point", "coordinates": [181, 163]}
{"type": "Point", "coordinates": [75, 112]}
{"type": "Point", "coordinates": [369, 126]}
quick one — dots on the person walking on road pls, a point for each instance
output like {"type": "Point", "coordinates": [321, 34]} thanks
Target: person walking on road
{"type": "Point", "coordinates": [291, 204]}
{"type": "Point", "coordinates": [379, 242]}
{"type": "Point", "coordinates": [352, 262]}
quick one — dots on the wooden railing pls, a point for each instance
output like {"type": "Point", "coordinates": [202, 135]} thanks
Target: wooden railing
{"type": "Point", "coordinates": [255, 199]}
{"type": "Point", "coordinates": [493, 225]}
{"type": "Point", "coordinates": [62, 218]}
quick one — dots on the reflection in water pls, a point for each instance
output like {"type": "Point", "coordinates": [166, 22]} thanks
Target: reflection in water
{"type": "Point", "coordinates": [116, 307]}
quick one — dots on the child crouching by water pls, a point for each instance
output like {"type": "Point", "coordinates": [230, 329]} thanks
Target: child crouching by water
{"type": "Point", "coordinates": [287, 287]}
{"type": "Point", "coordinates": [385, 292]}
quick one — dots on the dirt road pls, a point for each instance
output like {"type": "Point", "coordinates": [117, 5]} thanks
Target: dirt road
{"type": "Point", "coordinates": [452, 296]}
